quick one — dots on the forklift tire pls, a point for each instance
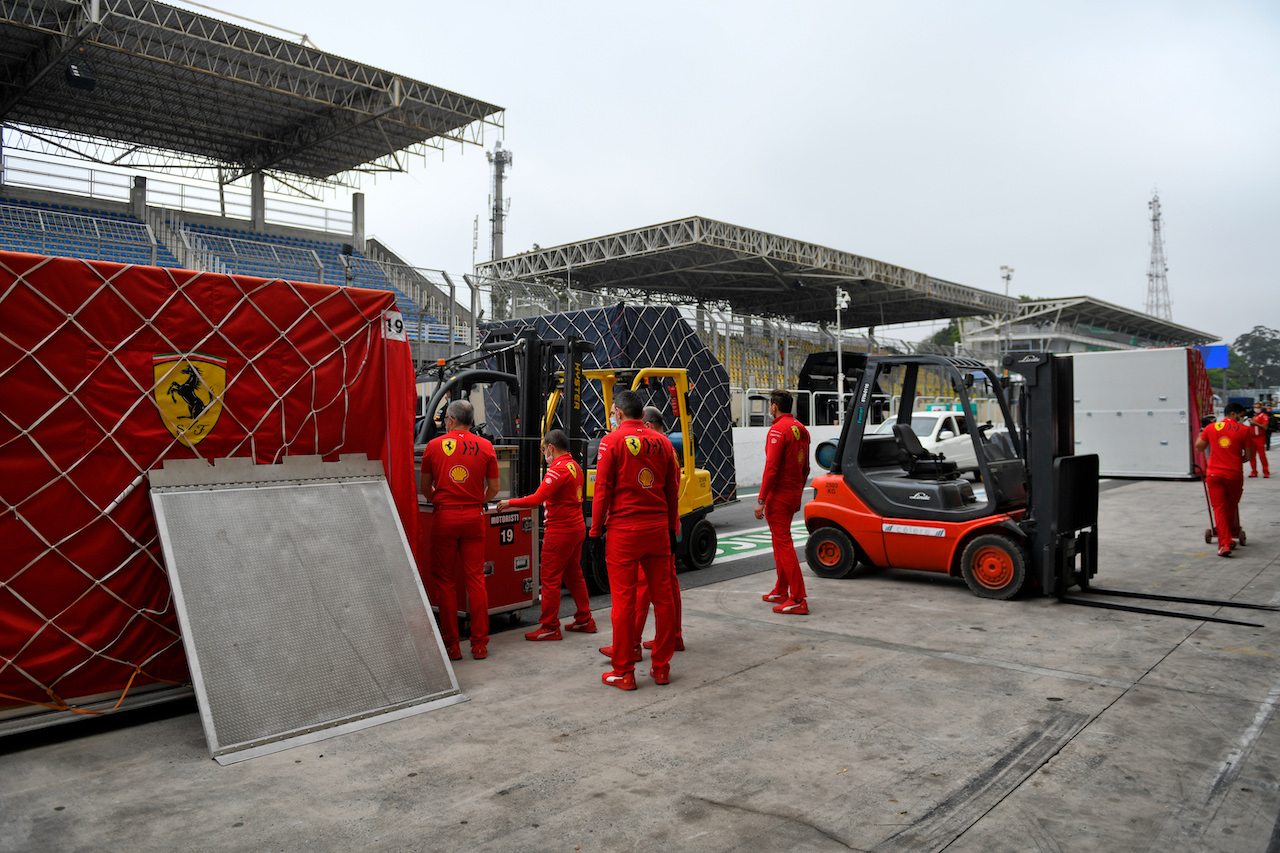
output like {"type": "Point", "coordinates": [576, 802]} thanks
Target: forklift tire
{"type": "Point", "coordinates": [698, 549]}
{"type": "Point", "coordinates": [994, 566]}
{"type": "Point", "coordinates": [594, 571]}
{"type": "Point", "coordinates": [831, 553]}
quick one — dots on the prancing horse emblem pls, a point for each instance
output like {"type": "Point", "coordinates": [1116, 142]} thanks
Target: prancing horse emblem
{"type": "Point", "coordinates": [188, 389]}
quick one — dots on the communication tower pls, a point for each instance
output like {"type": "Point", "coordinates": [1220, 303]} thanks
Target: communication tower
{"type": "Point", "coordinates": [1158, 304]}
{"type": "Point", "coordinates": [500, 158]}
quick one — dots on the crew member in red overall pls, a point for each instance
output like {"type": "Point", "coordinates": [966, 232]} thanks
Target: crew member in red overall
{"type": "Point", "coordinates": [1229, 445]}
{"type": "Point", "coordinates": [1258, 425]}
{"type": "Point", "coordinates": [459, 475]}
{"type": "Point", "coordinates": [564, 532]}
{"type": "Point", "coordinates": [637, 502]}
{"type": "Point", "coordinates": [786, 470]}
{"type": "Point", "coordinates": [653, 420]}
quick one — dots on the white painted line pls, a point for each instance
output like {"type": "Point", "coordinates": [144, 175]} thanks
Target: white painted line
{"type": "Point", "coordinates": [1230, 768]}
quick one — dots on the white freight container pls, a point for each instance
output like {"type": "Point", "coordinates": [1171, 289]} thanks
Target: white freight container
{"type": "Point", "coordinates": [1140, 410]}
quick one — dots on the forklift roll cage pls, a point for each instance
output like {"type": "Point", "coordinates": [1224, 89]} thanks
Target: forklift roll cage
{"type": "Point", "coordinates": [1040, 511]}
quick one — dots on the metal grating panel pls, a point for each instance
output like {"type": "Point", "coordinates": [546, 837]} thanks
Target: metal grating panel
{"type": "Point", "coordinates": [301, 608]}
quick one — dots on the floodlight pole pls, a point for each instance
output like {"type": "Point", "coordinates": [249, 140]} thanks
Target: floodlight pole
{"type": "Point", "coordinates": [842, 300]}
{"type": "Point", "coordinates": [1007, 273]}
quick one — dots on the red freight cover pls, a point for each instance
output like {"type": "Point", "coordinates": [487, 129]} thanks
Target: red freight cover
{"type": "Point", "coordinates": [108, 369]}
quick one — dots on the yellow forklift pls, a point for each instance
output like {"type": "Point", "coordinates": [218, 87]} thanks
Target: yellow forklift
{"type": "Point", "coordinates": [666, 388]}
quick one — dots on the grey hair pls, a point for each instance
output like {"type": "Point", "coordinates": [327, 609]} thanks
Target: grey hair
{"type": "Point", "coordinates": [462, 412]}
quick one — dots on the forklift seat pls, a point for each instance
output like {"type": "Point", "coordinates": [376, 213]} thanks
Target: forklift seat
{"type": "Point", "coordinates": [916, 461]}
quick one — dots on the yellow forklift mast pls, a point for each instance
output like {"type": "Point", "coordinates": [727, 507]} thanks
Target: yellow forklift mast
{"type": "Point", "coordinates": [668, 389]}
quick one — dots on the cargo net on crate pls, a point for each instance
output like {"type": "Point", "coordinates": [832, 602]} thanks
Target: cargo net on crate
{"type": "Point", "coordinates": [106, 370]}
{"type": "Point", "coordinates": [651, 336]}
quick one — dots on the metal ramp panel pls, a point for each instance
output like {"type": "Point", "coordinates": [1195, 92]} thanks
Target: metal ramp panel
{"type": "Point", "coordinates": [302, 613]}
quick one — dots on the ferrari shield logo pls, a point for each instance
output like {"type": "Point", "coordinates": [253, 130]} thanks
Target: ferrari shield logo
{"type": "Point", "coordinates": [188, 390]}
{"type": "Point", "coordinates": [448, 446]}
{"type": "Point", "coordinates": [573, 469]}
{"type": "Point", "coordinates": [795, 430]}
{"type": "Point", "coordinates": [633, 444]}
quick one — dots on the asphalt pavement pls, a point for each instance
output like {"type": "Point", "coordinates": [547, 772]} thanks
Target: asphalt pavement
{"type": "Point", "coordinates": [903, 714]}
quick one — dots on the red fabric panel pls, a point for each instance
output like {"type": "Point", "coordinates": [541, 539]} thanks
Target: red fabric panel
{"type": "Point", "coordinates": [309, 369]}
{"type": "Point", "coordinates": [1201, 402]}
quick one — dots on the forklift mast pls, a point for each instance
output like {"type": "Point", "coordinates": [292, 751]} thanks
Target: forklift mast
{"type": "Point", "coordinates": [1062, 491]}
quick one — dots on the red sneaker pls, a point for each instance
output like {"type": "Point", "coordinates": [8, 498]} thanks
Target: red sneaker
{"type": "Point", "coordinates": [454, 652]}
{"type": "Point", "coordinates": [587, 627]}
{"type": "Point", "coordinates": [479, 651]}
{"type": "Point", "coordinates": [793, 608]}
{"type": "Point", "coordinates": [661, 674]}
{"type": "Point", "coordinates": [774, 597]}
{"type": "Point", "coordinates": [1254, 474]}
{"type": "Point", "coordinates": [607, 651]}
{"type": "Point", "coordinates": [545, 633]}
{"type": "Point", "coordinates": [648, 644]}
{"type": "Point", "coordinates": [620, 680]}
{"type": "Point", "coordinates": [1224, 551]}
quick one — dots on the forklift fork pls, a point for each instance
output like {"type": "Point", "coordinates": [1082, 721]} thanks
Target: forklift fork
{"type": "Point", "coordinates": [1155, 611]}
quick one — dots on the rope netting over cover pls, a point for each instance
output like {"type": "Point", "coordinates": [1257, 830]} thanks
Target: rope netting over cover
{"type": "Point", "coordinates": [629, 336]}
{"type": "Point", "coordinates": [107, 370]}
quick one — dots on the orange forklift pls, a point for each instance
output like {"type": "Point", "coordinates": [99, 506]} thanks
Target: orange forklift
{"type": "Point", "coordinates": [1027, 525]}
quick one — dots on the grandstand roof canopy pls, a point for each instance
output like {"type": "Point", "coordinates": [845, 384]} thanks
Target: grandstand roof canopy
{"type": "Point", "coordinates": [170, 80]}
{"type": "Point", "coordinates": [699, 260]}
{"type": "Point", "coordinates": [1071, 311]}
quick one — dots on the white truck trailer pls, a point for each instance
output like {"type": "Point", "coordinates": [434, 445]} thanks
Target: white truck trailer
{"type": "Point", "coordinates": [1140, 410]}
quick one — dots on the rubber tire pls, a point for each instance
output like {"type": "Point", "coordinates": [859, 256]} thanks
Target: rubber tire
{"type": "Point", "coordinates": [1208, 535]}
{"type": "Point", "coordinates": [1244, 539]}
{"type": "Point", "coordinates": [994, 566]}
{"type": "Point", "coordinates": [595, 572]}
{"type": "Point", "coordinates": [698, 548]}
{"type": "Point", "coordinates": [831, 553]}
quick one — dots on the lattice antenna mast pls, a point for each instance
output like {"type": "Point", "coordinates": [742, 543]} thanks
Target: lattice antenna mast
{"type": "Point", "coordinates": [500, 158]}
{"type": "Point", "coordinates": [1158, 304]}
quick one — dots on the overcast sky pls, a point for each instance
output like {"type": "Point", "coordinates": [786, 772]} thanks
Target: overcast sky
{"type": "Point", "coordinates": [949, 138]}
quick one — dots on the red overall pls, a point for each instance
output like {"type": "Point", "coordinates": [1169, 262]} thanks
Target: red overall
{"type": "Point", "coordinates": [1258, 434]}
{"type": "Point", "coordinates": [643, 599]}
{"type": "Point", "coordinates": [1224, 477]}
{"type": "Point", "coordinates": [637, 500]}
{"type": "Point", "coordinates": [786, 469]}
{"type": "Point", "coordinates": [561, 491]}
{"type": "Point", "coordinates": [460, 465]}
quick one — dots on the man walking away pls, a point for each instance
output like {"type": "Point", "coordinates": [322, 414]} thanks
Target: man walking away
{"type": "Point", "coordinates": [1229, 446]}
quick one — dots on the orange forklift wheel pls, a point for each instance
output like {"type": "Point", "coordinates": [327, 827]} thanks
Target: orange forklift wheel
{"type": "Point", "coordinates": [994, 566]}
{"type": "Point", "coordinates": [831, 553]}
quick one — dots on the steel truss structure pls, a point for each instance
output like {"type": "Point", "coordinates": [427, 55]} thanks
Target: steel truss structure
{"type": "Point", "coordinates": [168, 81]}
{"type": "Point", "coordinates": [1041, 319]}
{"type": "Point", "coordinates": [703, 261]}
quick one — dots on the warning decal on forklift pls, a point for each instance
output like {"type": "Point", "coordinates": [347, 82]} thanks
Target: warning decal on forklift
{"type": "Point", "coordinates": [912, 530]}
